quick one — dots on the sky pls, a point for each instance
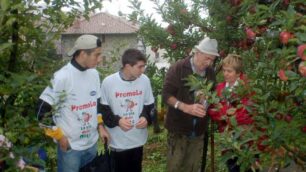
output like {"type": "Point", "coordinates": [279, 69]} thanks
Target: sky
{"type": "Point", "coordinates": [114, 6]}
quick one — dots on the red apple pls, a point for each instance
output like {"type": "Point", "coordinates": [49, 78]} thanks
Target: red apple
{"type": "Point", "coordinates": [222, 53]}
{"type": "Point", "coordinates": [229, 19]}
{"type": "Point", "coordinates": [235, 2]}
{"type": "Point", "coordinates": [304, 129]}
{"type": "Point", "coordinates": [301, 51]}
{"type": "Point", "coordinates": [250, 42]}
{"type": "Point", "coordinates": [282, 75]}
{"type": "Point", "coordinates": [262, 29]}
{"type": "Point", "coordinates": [302, 68]}
{"type": "Point", "coordinates": [250, 33]}
{"type": "Point", "coordinates": [252, 9]}
{"type": "Point", "coordinates": [243, 44]}
{"type": "Point", "coordinates": [262, 129]}
{"type": "Point", "coordinates": [278, 116]}
{"type": "Point", "coordinates": [183, 11]}
{"type": "Point", "coordinates": [170, 29]}
{"type": "Point", "coordinates": [173, 46]}
{"type": "Point", "coordinates": [288, 118]}
{"type": "Point", "coordinates": [286, 2]}
{"type": "Point", "coordinates": [257, 163]}
{"type": "Point", "coordinates": [260, 145]}
{"type": "Point", "coordinates": [285, 36]}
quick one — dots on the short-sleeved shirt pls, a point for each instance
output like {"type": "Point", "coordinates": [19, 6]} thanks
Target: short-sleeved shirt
{"type": "Point", "coordinates": [127, 99]}
{"type": "Point", "coordinates": [73, 95]}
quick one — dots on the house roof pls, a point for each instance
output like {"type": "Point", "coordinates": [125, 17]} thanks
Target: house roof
{"type": "Point", "coordinates": [102, 23]}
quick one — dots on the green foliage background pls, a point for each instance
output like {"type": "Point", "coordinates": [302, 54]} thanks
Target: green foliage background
{"type": "Point", "coordinates": [27, 61]}
{"type": "Point", "coordinates": [252, 29]}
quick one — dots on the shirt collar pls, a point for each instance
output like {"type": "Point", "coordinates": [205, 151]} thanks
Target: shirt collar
{"type": "Point", "coordinates": [77, 65]}
{"type": "Point", "coordinates": [121, 74]}
{"type": "Point", "coordinates": [230, 88]}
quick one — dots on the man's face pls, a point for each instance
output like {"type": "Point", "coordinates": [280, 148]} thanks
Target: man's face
{"type": "Point", "coordinates": [203, 60]}
{"type": "Point", "coordinates": [93, 59]}
{"type": "Point", "coordinates": [136, 70]}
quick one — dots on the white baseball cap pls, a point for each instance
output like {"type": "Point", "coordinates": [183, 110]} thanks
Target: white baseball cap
{"type": "Point", "coordinates": [85, 42]}
{"type": "Point", "coordinates": [208, 46]}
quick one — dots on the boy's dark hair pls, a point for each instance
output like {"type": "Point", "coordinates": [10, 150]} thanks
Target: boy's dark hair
{"type": "Point", "coordinates": [132, 56]}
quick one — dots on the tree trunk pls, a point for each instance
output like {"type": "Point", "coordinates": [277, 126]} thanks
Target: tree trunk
{"type": "Point", "coordinates": [14, 50]}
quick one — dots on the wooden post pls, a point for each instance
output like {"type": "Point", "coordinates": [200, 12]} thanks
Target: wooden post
{"type": "Point", "coordinates": [212, 146]}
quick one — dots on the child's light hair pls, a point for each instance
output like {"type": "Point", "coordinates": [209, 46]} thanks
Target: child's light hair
{"type": "Point", "coordinates": [233, 60]}
{"type": "Point", "coordinates": [302, 63]}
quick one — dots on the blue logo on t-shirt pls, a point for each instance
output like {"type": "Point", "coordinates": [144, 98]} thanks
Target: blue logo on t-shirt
{"type": "Point", "coordinates": [92, 93]}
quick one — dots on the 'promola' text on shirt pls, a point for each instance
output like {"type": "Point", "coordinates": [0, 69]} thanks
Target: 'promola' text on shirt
{"type": "Point", "coordinates": [128, 94]}
{"type": "Point", "coordinates": [83, 106]}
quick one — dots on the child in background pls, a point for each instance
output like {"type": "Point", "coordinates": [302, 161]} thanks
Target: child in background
{"type": "Point", "coordinates": [233, 76]}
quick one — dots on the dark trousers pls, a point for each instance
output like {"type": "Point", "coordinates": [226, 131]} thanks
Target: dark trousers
{"type": "Point", "coordinates": [127, 161]}
{"type": "Point", "coordinates": [232, 166]}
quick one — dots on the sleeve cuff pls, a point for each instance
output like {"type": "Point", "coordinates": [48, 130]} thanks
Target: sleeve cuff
{"type": "Point", "coordinates": [99, 118]}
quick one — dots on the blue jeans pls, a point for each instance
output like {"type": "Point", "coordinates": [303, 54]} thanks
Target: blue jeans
{"type": "Point", "coordinates": [72, 160]}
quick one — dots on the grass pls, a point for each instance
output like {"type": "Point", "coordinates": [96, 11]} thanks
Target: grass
{"type": "Point", "coordinates": [155, 153]}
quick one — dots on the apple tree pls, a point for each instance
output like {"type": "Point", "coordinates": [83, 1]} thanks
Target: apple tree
{"type": "Point", "coordinates": [270, 36]}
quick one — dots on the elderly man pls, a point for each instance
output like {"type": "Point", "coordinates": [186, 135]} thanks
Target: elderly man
{"type": "Point", "coordinates": [186, 120]}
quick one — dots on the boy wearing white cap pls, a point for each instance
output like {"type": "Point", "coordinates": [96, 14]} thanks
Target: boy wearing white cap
{"type": "Point", "coordinates": [73, 99]}
{"type": "Point", "coordinates": [186, 120]}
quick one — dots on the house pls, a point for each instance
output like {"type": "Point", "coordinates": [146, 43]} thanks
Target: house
{"type": "Point", "coordinates": [116, 33]}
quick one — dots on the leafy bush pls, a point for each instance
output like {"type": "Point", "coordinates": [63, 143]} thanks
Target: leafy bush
{"type": "Point", "coordinates": [27, 61]}
{"type": "Point", "coordinates": [270, 36]}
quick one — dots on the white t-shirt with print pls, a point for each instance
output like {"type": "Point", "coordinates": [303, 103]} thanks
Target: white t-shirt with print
{"type": "Point", "coordinates": [73, 95]}
{"type": "Point", "coordinates": [126, 99]}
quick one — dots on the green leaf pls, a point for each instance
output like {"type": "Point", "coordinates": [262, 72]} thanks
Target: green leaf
{"type": "Point", "coordinates": [292, 87]}
{"type": "Point", "coordinates": [233, 121]}
{"type": "Point", "coordinates": [5, 46]}
{"type": "Point", "coordinates": [301, 36]}
{"type": "Point", "coordinates": [5, 4]}
{"type": "Point", "coordinates": [10, 21]}
{"type": "Point", "coordinates": [292, 75]}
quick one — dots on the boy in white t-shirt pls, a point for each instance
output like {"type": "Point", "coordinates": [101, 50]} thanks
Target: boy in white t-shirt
{"type": "Point", "coordinates": [73, 100]}
{"type": "Point", "coordinates": [126, 103]}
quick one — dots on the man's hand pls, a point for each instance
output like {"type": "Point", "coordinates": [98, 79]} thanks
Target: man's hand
{"type": "Point", "coordinates": [142, 123]}
{"type": "Point", "coordinates": [125, 124]}
{"type": "Point", "coordinates": [193, 109]}
{"type": "Point", "coordinates": [64, 144]}
{"type": "Point", "coordinates": [104, 135]}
